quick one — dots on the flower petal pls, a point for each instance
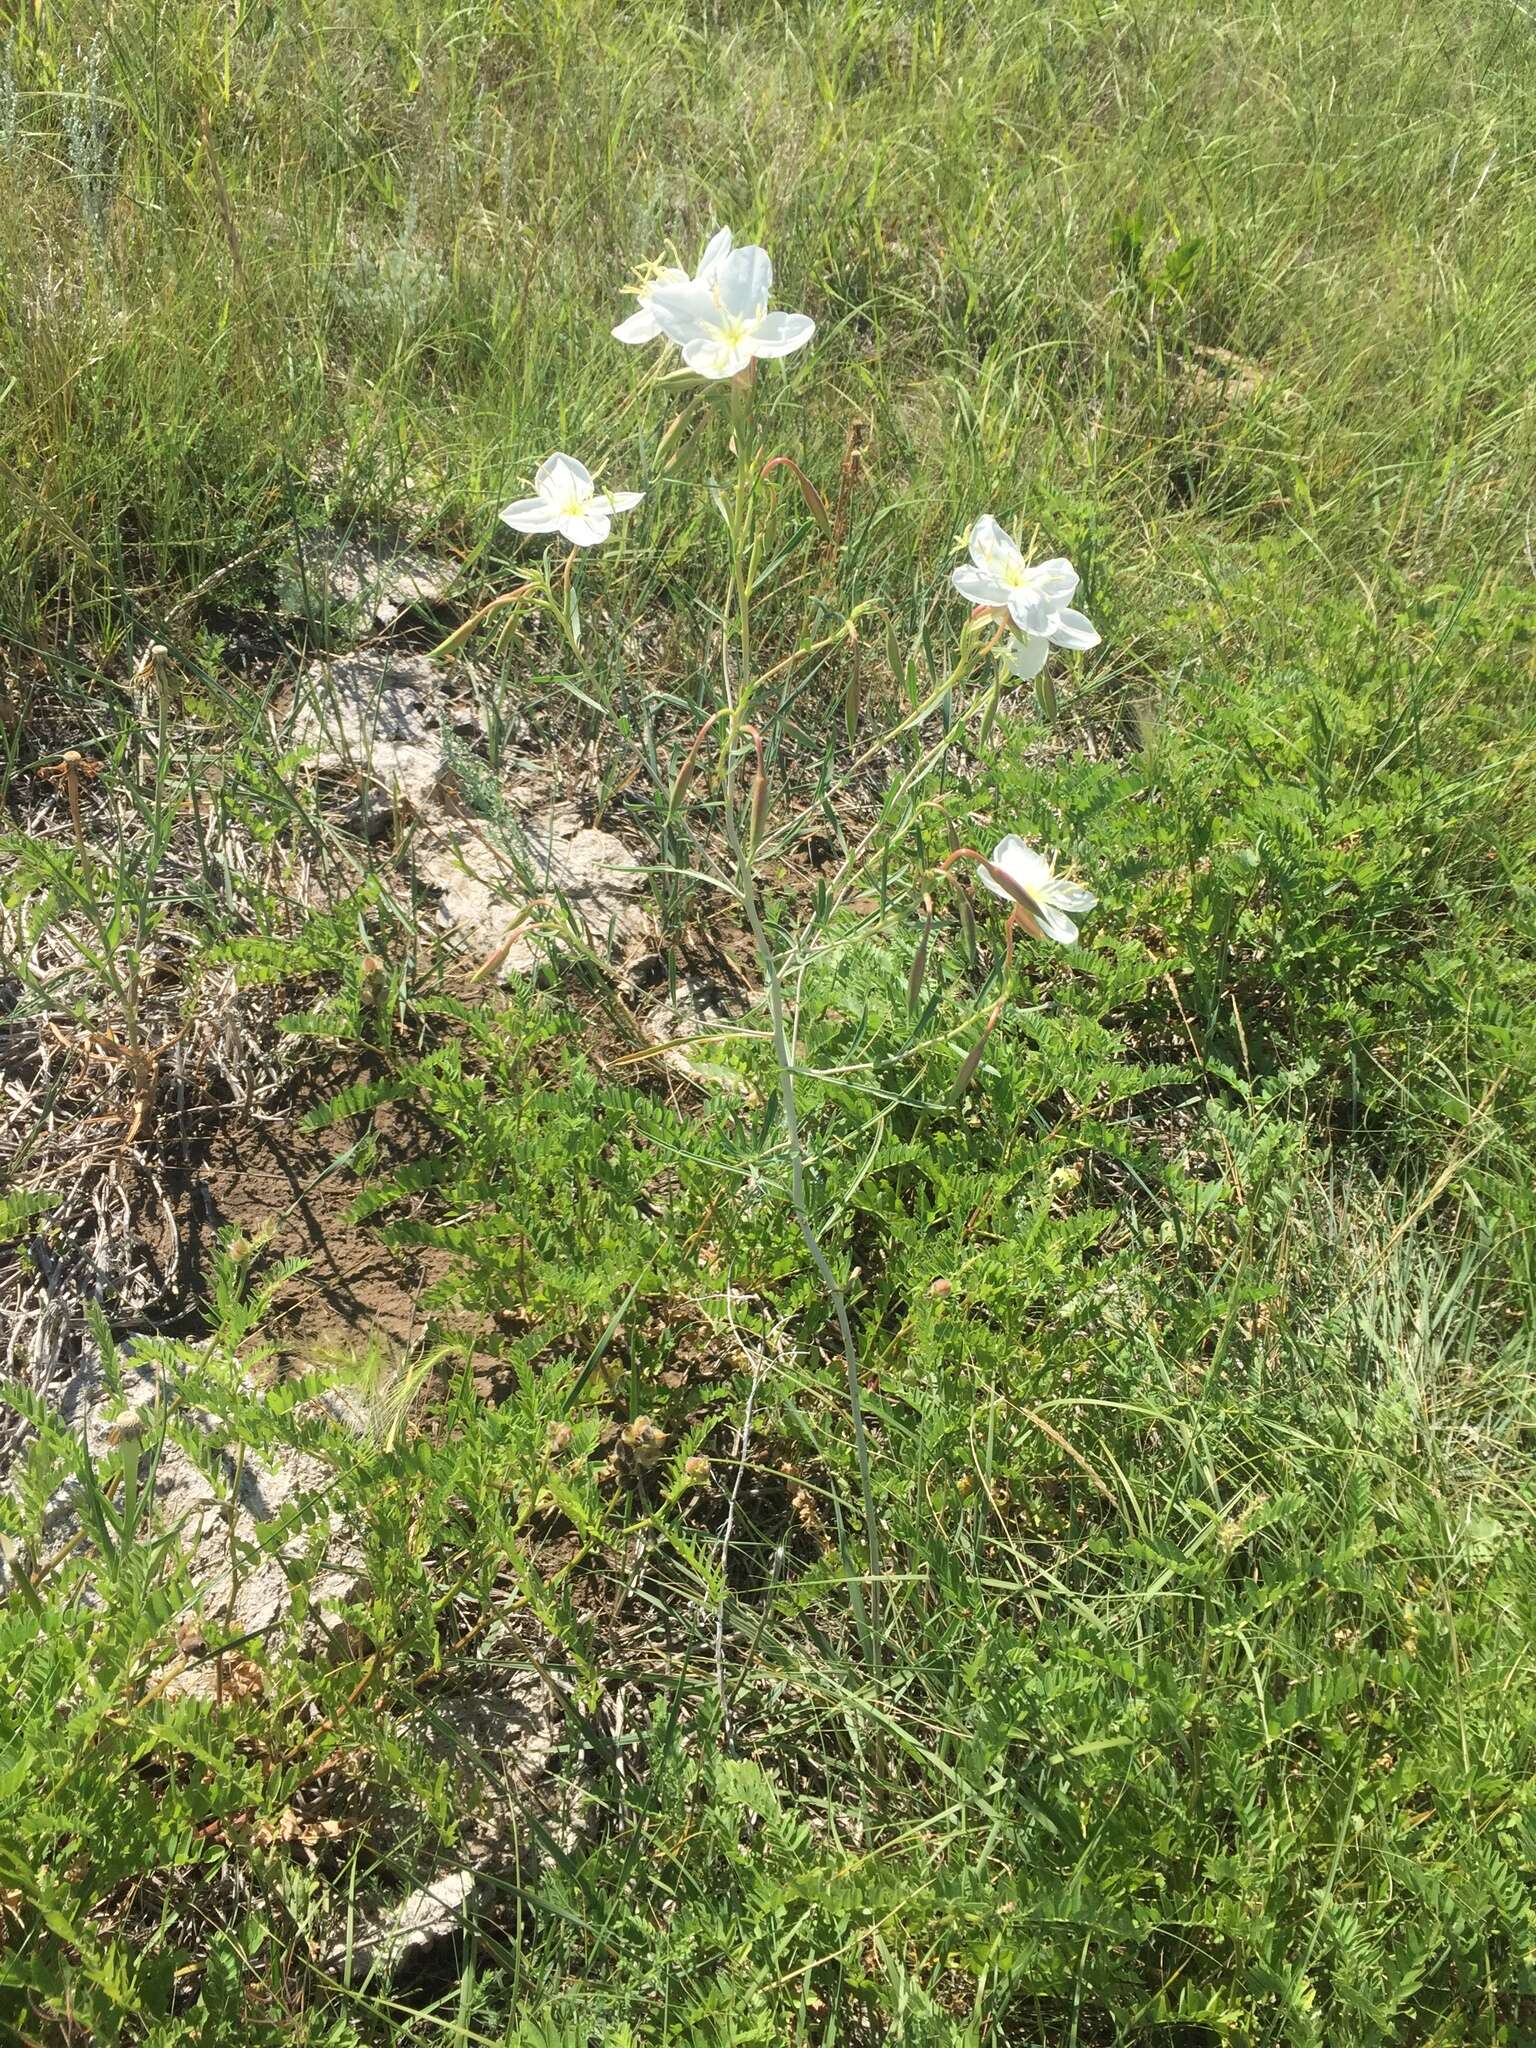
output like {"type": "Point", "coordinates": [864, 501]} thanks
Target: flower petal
{"type": "Point", "coordinates": [639, 327]}
{"type": "Point", "coordinates": [562, 476]}
{"type": "Point", "coordinates": [707, 355]}
{"type": "Point", "coordinates": [531, 515]}
{"type": "Point", "coordinates": [586, 529]}
{"type": "Point", "coordinates": [1056, 924]}
{"type": "Point", "coordinates": [978, 588]}
{"type": "Point", "coordinates": [1026, 656]}
{"type": "Point", "coordinates": [744, 281]}
{"type": "Point", "coordinates": [994, 552]}
{"type": "Point", "coordinates": [716, 249]}
{"type": "Point", "coordinates": [1019, 860]}
{"type": "Point", "coordinates": [616, 501]}
{"type": "Point", "coordinates": [1071, 896]}
{"type": "Point", "coordinates": [1033, 615]}
{"type": "Point", "coordinates": [683, 310]}
{"type": "Point", "coordinates": [780, 334]}
{"type": "Point", "coordinates": [1071, 629]}
{"type": "Point", "coordinates": [1055, 579]}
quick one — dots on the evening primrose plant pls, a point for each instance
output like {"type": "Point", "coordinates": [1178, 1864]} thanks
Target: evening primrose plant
{"type": "Point", "coordinates": [723, 326]}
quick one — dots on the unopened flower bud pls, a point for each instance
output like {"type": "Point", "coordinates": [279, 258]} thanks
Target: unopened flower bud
{"type": "Point", "coordinates": [759, 813]}
{"type": "Point", "coordinates": [645, 1441]}
{"type": "Point", "coordinates": [972, 1059]}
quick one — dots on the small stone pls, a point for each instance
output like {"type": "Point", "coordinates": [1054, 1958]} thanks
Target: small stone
{"type": "Point", "coordinates": [398, 1941]}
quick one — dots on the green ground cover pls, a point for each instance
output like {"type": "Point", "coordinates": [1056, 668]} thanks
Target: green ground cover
{"type": "Point", "coordinates": [1179, 1687]}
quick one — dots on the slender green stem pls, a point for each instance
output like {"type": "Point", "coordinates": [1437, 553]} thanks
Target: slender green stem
{"type": "Point", "coordinates": [743, 555]}
{"type": "Point", "coordinates": [741, 573]}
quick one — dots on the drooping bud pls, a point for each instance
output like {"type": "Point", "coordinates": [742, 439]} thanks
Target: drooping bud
{"type": "Point", "coordinates": [967, 929]}
{"type": "Point", "coordinates": [895, 658]}
{"type": "Point", "coordinates": [670, 434]}
{"type": "Point", "coordinates": [759, 811]}
{"type": "Point", "coordinates": [460, 634]}
{"type": "Point", "coordinates": [815, 503]}
{"type": "Point", "coordinates": [684, 776]}
{"type": "Point", "coordinates": [972, 1060]}
{"type": "Point", "coordinates": [990, 713]}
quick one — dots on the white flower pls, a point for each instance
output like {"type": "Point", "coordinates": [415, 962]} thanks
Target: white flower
{"type": "Point", "coordinates": [1025, 655]}
{"type": "Point", "coordinates": [1033, 598]}
{"type": "Point", "coordinates": [1027, 880]}
{"type": "Point", "coordinates": [565, 502]}
{"type": "Point", "coordinates": [720, 327]}
{"type": "Point", "coordinates": [642, 325]}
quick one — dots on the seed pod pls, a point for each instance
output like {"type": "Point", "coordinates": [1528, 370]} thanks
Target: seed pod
{"type": "Point", "coordinates": [645, 1441]}
{"type": "Point", "coordinates": [853, 698]}
{"type": "Point", "coordinates": [919, 965]}
{"type": "Point", "coordinates": [896, 660]}
{"type": "Point", "coordinates": [72, 765]}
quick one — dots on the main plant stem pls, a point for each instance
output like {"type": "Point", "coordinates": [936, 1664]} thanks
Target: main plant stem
{"type": "Point", "coordinates": [871, 1612]}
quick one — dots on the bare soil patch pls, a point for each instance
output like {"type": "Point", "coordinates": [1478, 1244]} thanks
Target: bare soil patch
{"type": "Point", "coordinates": [291, 1187]}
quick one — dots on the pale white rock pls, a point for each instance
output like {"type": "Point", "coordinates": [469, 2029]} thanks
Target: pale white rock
{"type": "Point", "coordinates": [375, 718]}
{"type": "Point", "coordinates": [688, 1029]}
{"type": "Point", "coordinates": [243, 1581]}
{"type": "Point", "coordinates": [551, 872]}
{"type": "Point", "coordinates": [373, 577]}
{"type": "Point", "coordinates": [394, 1942]}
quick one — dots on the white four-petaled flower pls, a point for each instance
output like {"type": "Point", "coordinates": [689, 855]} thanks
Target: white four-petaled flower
{"type": "Point", "coordinates": [1033, 598]}
{"type": "Point", "coordinates": [565, 501]}
{"type": "Point", "coordinates": [642, 325]}
{"type": "Point", "coordinates": [723, 325]}
{"type": "Point", "coordinates": [1026, 879]}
